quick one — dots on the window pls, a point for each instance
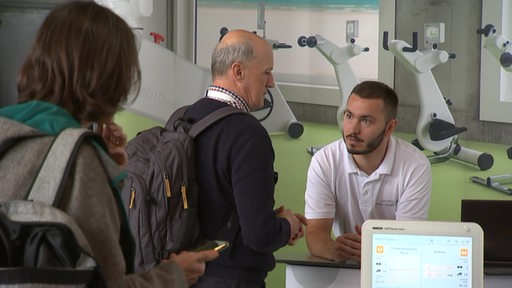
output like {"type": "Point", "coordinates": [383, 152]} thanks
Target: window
{"type": "Point", "coordinates": [286, 21]}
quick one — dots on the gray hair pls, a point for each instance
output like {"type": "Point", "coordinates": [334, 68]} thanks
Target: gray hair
{"type": "Point", "coordinates": [225, 54]}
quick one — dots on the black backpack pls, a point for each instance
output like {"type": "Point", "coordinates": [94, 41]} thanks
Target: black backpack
{"type": "Point", "coordinates": [160, 193]}
{"type": "Point", "coordinates": [40, 245]}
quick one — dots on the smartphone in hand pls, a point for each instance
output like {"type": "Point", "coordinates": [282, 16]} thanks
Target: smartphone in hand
{"type": "Point", "coordinates": [217, 245]}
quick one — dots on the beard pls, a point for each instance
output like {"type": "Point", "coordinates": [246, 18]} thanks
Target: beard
{"type": "Point", "coordinates": [370, 145]}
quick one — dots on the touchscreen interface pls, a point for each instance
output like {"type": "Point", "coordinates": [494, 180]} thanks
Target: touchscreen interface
{"type": "Point", "coordinates": [421, 261]}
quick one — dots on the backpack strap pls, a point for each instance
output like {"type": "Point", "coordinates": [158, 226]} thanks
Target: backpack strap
{"type": "Point", "coordinates": [213, 117]}
{"type": "Point", "coordinates": [199, 126]}
{"type": "Point", "coordinates": [49, 183]}
{"type": "Point", "coordinates": [47, 188]}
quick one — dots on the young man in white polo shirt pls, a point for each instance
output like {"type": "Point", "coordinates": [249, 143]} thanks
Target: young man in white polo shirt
{"type": "Point", "coordinates": [368, 174]}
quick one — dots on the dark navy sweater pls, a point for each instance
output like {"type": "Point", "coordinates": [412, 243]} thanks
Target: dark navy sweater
{"type": "Point", "coordinates": [235, 170]}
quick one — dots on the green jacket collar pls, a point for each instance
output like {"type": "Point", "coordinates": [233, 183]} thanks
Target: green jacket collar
{"type": "Point", "coordinates": [44, 116]}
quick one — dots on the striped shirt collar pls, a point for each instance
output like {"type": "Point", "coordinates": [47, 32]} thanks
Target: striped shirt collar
{"type": "Point", "coordinates": [226, 96]}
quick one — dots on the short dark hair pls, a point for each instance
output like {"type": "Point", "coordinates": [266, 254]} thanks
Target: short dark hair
{"type": "Point", "coordinates": [378, 90]}
{"type": "Point", "coordinates": [84, 59]}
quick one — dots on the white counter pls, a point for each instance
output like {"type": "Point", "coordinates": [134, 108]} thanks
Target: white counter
{"type": "Point", "coordinates": [306, 271]}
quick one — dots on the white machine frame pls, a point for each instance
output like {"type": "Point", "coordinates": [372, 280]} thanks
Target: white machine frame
{"type": "Point", "coordinates": [498, 45]}
{"type": "Point", "coordinates": [339, 58]}
{"type": "Point", "coordinates": [435, 129]}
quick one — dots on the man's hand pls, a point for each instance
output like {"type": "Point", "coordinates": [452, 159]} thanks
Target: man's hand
{"type": "Point", "coordinates": [348, 246]}
{"type": "Point", "coordinates": [193, 263]}
{"type": "Point", "coordinates": [297, 223]}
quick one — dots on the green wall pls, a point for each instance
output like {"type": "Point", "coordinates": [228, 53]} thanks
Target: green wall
{"type": "Point", "coordinates": [450, 179]}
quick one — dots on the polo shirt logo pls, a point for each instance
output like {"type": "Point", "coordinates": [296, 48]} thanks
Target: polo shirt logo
{"type": "Point", "coordinates": [387, 203]}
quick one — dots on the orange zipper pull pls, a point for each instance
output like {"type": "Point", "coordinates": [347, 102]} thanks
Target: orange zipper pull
{"type": "Point", "coordinates": [184, 196]}
{"type": "Point", "coordinates": [132, 197]}
{"type": "Point", "coordinates": [167, 186]}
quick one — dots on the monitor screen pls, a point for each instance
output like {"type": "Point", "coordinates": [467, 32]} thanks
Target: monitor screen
{"type": "Point", "coordinates": [421, 261]}
{"type": "Point", "coordinates": [420, 254]}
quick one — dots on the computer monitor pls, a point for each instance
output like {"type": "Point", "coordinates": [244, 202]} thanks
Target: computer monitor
{"type": "Point", "coordinates": [414, 254]}
{"type": "Point", "coordinates": [492, 216]}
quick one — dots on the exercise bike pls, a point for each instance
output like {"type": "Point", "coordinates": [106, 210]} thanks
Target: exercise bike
{"type": "Point", "coordinates": [435, 129]}
{"type": "Point", "coordinates": [500, 47]}
{"type": "Point", "coordinates": [338, 57]}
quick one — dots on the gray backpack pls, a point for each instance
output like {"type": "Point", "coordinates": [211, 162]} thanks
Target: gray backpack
{"type": "Point", "coordinates": [40, 245]}
{"type": "Point", "coordinates": [160, 193]}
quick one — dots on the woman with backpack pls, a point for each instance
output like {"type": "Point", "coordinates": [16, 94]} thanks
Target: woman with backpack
{"type": "Point", "coordinates": [79, 71]}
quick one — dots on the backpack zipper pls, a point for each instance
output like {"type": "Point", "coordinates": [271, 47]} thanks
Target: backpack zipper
{"type": "Point", "coordinates": [184, 195]}
{"type": "Point", "coordinates": [137, 179]}
{"type": "Point", "coordinates": [167, 182]}
{"type": "Point", "coordinates": [167, 186]}
{"type": "Point", "coordinates": [181, 151]}
{"type": "Point", "coordinates": [132, 197]}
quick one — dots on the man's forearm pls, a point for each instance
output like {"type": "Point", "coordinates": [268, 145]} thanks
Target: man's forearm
{"type": "Point", "coordinates": [321, 246]}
